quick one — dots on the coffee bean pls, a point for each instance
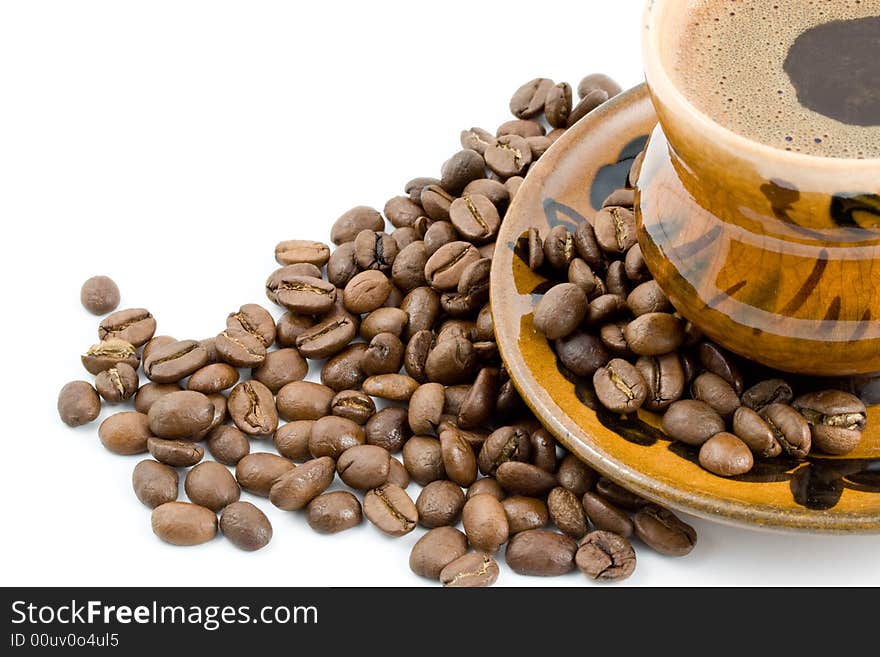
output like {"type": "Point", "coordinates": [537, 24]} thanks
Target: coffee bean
{"type": "Point", "coordinates": [790, 428]}
{"type": "Point", "coordinates": [99, 295]}
{"type": "Point", "coordinates": [391, 510]}
{"type": "Point", "coordinates": [211, 485]}
{"type": "Point", "coordinates": [255, 320]}
{"type": "Point", "coordinates": [463, 167]}
{"type": "Point", "coordinates": [435, 550]}
{"type": "Point", "coordinates": [154, 483]}
{"type": "Point", "coordinates": [458, 457]}
{"type": "Point", "coordinates": [280, 368]}
{"type": "Point", "coordinates": [615, 229]}
{"type": "Point", "coordinates": [364, 466]}
{"type": "Point", "coordinates": [107, 354]}
{"type": "Point", "coordinates": [181, 414]}
{"type": "Point", "coordinates": [837, 420]}
{"type": "Point", "coordinates": [535, 257]}
{"type": "Point", "coordinates": [524, 479]}
{"type": "Point", "coordinates": [486, 486]}
{"type": "Point", "coordinates": [771, 391]}
{"type": "Point", "coordinates": [294, 489]}
{"type": "Point", "coordinates": [125, 433]}
{"type": "Point", "coordinates": [366, 292]}
{"type": "Point", "coordinates": [529, 99]}
{"type": "Point", "coordinates": [332, 435]}
{"type": "Point", "coordinates": [557, 105]}
{"type": "Point", "coordinates": [582, 353]}
{"type": "Point", "coordinates": [475, 218]}
{"type": "Point", "coordinates": [290, 326]}
{"type": "Point", "coordinates": [375, 250]}
{"type": "Point", "coordinates": [510, 155]}
{"type": "Point", "coordinates": [605, 556]}
{"type": "Point", "coordinates": [353, 405]}
{"type": "Point", "coordinates": [402, 212]}
{"type": "Point", "coordinates": [663, 531]}
{"type": "Point", "coordinates": [306, 295]}
{"type": "Point", "coordinates": [509, 443]}
{"type": "Point", "coordinates": [384, 320]}
{"type": "Point", "coordinates": [620, 496]}
{"type": "Point", "coordinates": [397, 474]}
{"type": "Point", "coordinates": [654, 334]}
{"type": "Point", "coordinates": [182, 523]}
{"type": "Point", "coordinates": [440, 504]}
{"type": "Point", "coordinates": [173, 361]}
{"type": "Point", "coordinates": [304, 400]}
{"type": "Point", "coordinates": [252, 408]}
{"type": "Point", "coordinates": [605, 516]}
{"type": "Point", "coordinates": [750, 427]}
{"type": "Point", "coordinates": [574, 475]}
{"type": "Point", "coordinates": [240, 348]}
{"type": "Point", "coordinates": [346, 228]}
{"type": "Point", "coordinates": [470, 571]}
{"type": "Point", "coordinates": [692, 422]}
{"type": "Point", "coordinates": [149, 393]}
{"type": "Point", "coordinates": [580, 274]}
{"type": "Point", "coordinates": [726, 455]}
{"type": "Point", "coordinates": [444, 268]}
{"type": "Point", "coordinates": [436, 202]}
{"type": "Point", "coordinates": [539, 145]}
{"type": "Point", "coordinates": [636, 268]}
{"type": "Point", "coordinates": [587, 104]}
{"type": "Point", "coordinates": [478, 406]}
{"type": "Point", "coordinates": [567, 512]}
{"type": "Point", "coordinates": [560, 311]}
{"type": "Point", "coordinates": [422, 307]}
{"type": "Point", "coordinates": [423, 459]}
{"type": "Point", "coordinates": [176, 453]}
{"type": "Point", "coordinates": [525, 513]}
{"type": "Point", "coordinates": [161, 340]}
{"type": "Point", "coordinates": [343, 371]}
{"type": "Point", "coordinates": [384, 356]}
{"type": "Point", "coordinates": [395, 387]}
{"type": "Point", "coordinates": [331, 513]}
{"type": "Point", "coordinates": [257, 472]}
{"type": "Point", "coordinates": [664, 378]}
{"type": "Point", "coordinates": [426, 408]}
{"type": "Point", "coordinates": [648, 298]}
{"type": "Point", "coordinates": [408, 271]}
{"type": "Point", "coordinates": [212, 378]}
{"type": "Point", "coordinates": [718, 362]}
{"type": "Point", "coordinates": [78, 403]}
{"type": "Point", "coordinates": [341, 267]}
{"type": "Point", "coordinates": [604, 308]}
{"type": "Point", "coordinates": [135, 326]}
{"type": "Point", "coordinates": [716, 392]}
{"type": "Point", "coordinates": [476, 139]}
{"type": "Point", "coordinates": [246, 526]}
{"type": "Point", "coordinates": [291, 252]}
{"type": "Point", "coordinates": [541, 553]}
{"type": "Point", "coordinates": [522, 128]}
{"type": "Point", "coordinates": [620, 387]}
{"type": "Point", "coordinates": [598, 81]}
{"type": "Point", "coordinates": [327, 338]}
{"type": "Point", "coordinates": [292, 440]}
{"type": "Point", "coordinates": [388, 429]}
{"type": "Point", "coordinates": [485, 523]}
{"type": "Point", "coordinates": [493, 190]}
{"type": "Point", "coordinates": [613, 337]}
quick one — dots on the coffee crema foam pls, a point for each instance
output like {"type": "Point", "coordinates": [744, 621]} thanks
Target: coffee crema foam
{"type": "Point", "coordinates": [729, 59]}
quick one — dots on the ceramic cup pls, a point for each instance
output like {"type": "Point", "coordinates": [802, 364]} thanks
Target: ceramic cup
{"type": "Point", "coordinates": [771, 253]}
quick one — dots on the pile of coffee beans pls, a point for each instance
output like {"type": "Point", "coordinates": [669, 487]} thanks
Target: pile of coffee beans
{"type": "Point", "coordinates": [412, 390]}
{"type": "Point", "coordinates": [610, 323]}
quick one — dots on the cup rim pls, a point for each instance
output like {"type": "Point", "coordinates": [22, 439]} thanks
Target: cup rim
{"type": "Point", "coordinates": [660, 84]}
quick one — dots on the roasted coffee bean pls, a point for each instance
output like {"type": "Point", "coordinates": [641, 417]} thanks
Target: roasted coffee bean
{"type": "Point", "coordinates": [436, 201]}
{"type": "Point", "coordinates": [219, 417]}
{"type": "Point", "coordinates": [154, 483]}
{"type": "Point", "coordinates": [440, 504]}
{"type": "Point", "coordinates": [422, 307]}
{"type": "Point", "coordinates": [751, 428]}
{"type": "Point", "coordinates": [493, 190]}
{"type": "Point", "coordinates": [478, 406]}
{"type": "Point", "coordinates": [616, 282]}
{"type": "Point", "coordinates": [343, 371]}
{"type": "Point", "coordinates": [367, 291]}
{"type": "Point", "coordinates": [524, 479]}
{"type": "Point", "coordinates": [560, 311]}
{"type": "Point", "coordinates": [292, 440]}
{"type": "Point", "coordinates": [332, 435]}
{"type": "Point", "coordinates": [692, 422]}
{"type": "Point", "coordinates": [294, 489]}
{"type": "Point", "coordinates": [837, 420]}
{"type": "Point", "coordinates": [290, 327]}
{"type": "Point", "coordinates": [353, 405]}
{"type": "Point", "coordinates": [414, 187]}
{"type": "Point", "coordinates": [397, 474]}
{"type": "Point", "coordinates": [557, 105]}
{"type": "Point", "coordinates": [423, 459]}
{"type": "Point", "coordinates": [663, 531]}
{"type": "Point", "coordinates": [539, 145]}
{"type": "Point", "coordinates": [444, 268]}
{"type": "Point", "coordinates": [435, 550]}
{"type": "Point", "coordinates": [619, 496]}
{"type": "Point", "coordinates": [605, 516]}
{"type": "Point", "coordinates": [771, 391]}
{"type": "Point", "coordinates": [375, 250]}
{"type": "Point", "coordinates": [462, 168]}
{"type": "Point", "coordinates": [510, 155]}
{"type": "Point", "coordinates": [252, 408]}
{"type": "Point", "coordinates": [125, 433]}
{"type": "Point", "coordinates": [605, 556]}
{"type": "Point", "coordinates": [171, 362]}
{"type": "Point", "coordinates": [586, 246]}
{"type": "Point", "coordinates": [664, 378]}
{"type": "Point", "coordinates": [620, 387]}
{"type": "Point", "coordinates": [99, 295]}
{"type": "Point", "coordinates": [160, 340]}
{"type": "Point", "coordinates": [587, 104]}
{"type": "Point", "coordinates": [118, 384]}
{"type": "Point", "coordinates": [306, 295]}
{"type": "Point", "coordinates": [384, 320]}
{"type": "Point", "coordinates": [212, 378]}
{"type": "Point", "coordinates": [598, 81]}
{"type": "Point", "coordinates": [384, 355]}
{"type": "Point", "coordinates": [509, 443]}
{"type": "Point", "coordinates": [211, 485]}
{"type": "Point", "coordinates": [426, 408]}
{"type": "Point", "coordinates": [280, 368]}
{"type": "Point", "coordinates": [327, 338]}
{"type": "Point", "coordinates": [613, 337]}
{"type": "Point", "coordinates": [582, 353]}
{"type": "Point", "coordinates": [540, 552]}
{"type": "Point", "coordinates": [615, 229]}
{"type": "Point", "coordinates": [290, 252]}
{"type": "Point", "coordinates": [364, 466]}
{"type": "Point", "coordinates": [485, 523]}
{"type": "Point", "coordinates": [391, 510]}
{"type": "Point", "coordinates": [342, 266]}
{"type": "Point", "coordinates": [620, 197]}
{"type": "Point", "coordinates": [454, 398]}
{"type": "Point", "coordinates": [107, 354]}
{"type": "Point", "coordinates": [176, 453]}
{"type": "Point", "coordinates": [408, 271]}
{"type": "Point", "coordinates": [246, 526]}
{"type": "Point", "coordinates": [458, 457]}
{"type": "Point", "coordinates": [716, 361]}
{"type": "Point", "coordinates": [304, 400]}
{"type": "Point", "coordinates": [279, 275]}
{"type": "Point", "coordinates": [257, 472]}
{"type": "Point", "coordinates": [471, 570]}
{"type": "Point", "coordinates": [604, 308]}
{"type": "Point", "coordinates": [388, 429]}
{"type": "Point", "coordinates": [635, 266]}
{"type": "Point", "coordinates": [486, 486]}
{"type": "Point", "coordinates": [476, 139]}
{"type": "Point", "coordinates": [535, 257]}
{"type": "Point", "coordinates": [529, 99]}
{"type": "Point", "coordinates": [654, 334]}
{"type": "Point", "coordinates": [580, 274]}
{"type": "Point", "coordinates": [346, 228]}
{"type": "Point", "coordinates": [255, 320]}
{"type": "Point", "coordinates": [331, 513]}
{"type": "Point", "coordinates": [790, 428]}
{"type": "Point", "coordinates": [182, 523]}
{"type": "Point", "coordinates": [484, 327]}
{"type": "Point", "coordinates": [648, 298]}
{"type": "Point", "coordinates": [525, 513]}
{"type": "Point", "coordinates": [404, 236]}
{"type": "Point", "coordinates": [522, 128]}
{"type": "Point", "coordinates": [716, 392]}
{"type": "Point", "coordinates": [559, 248]}
{"type": "Point", "coordinates": [135, 326]}
{"type": "Point", "coordinates": [182, 414]}
{"type": "Point", "coordinates": [402, 211]}
{"type": "Point", "coordinates": [394, 387]}
{"type": "Point", "coordinates": [149, 393]}
{"type": "Point", "coordinates": [567, 512]}
{"type": "Point", "coordinates": [451, 362]}
{"type": "Point", "coordinates": [240, 348]}
{"type": "Point", "coordinates": [726, 455]}
{"type": "Point", "coordinates": [509, 402]}
{"type": "Point", "coordinates": [475, 218]}
{"type": "Point", "coordinates": [574, 475]}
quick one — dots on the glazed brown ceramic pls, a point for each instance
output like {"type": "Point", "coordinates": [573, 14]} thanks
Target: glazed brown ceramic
{"type": "Point", "coordinates": [567, 186]}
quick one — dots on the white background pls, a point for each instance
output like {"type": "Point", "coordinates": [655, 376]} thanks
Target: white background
{"type": "Point", "coordinates": [171, 145]}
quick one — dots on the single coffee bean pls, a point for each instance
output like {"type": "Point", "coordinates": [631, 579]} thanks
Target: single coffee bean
{"type": "Point", "coordinates": [790, 428]}
{"type": "Point", "coordinates": [182, 523]}
{"type": "Point", "coordinates": [493, 190]}
{"type": "Point", "coordinates": [648, 298]}
{"type": "Point", "coordinates": [530, 98]}
{"type": "Point", "coordinates": [78, 403]}
{"type": "Point", "coordinates": [384, 356]}
{"type": "Point", "coordinates": [485, 523]}
{"type": "Point", "coordinates": [444, 268]}
{"type": "Point", "coordinates": [454, 398]}
{"type": "Point", "coordinates": [154, 483]}
{"type": "Point", "coordinates": [604, 308]}
{"type": "Point", "coordinates": [623, 197]}
{"type": "Point", "coordinates": [181, 414]}
{"type": "Point", "coordinates": [636, 268]}
{"type": "Point", "coordinates": [423, 459]}
{"type": "Point", "coordinates": [341, 267]}
{"type": "Point", "coordinates": [391, 510]}
{"type": "Point", "coordinates": [346, 228]}
{"type": "Point", "coordinates": [290, 252]}
{"type": "Point", "coordinates": [212, 378]}
{"type": "Point", "coordinates": [605, 516]}
{"type": "Point", "coordinates": [331, 513]}
{"type": "Point", "coordinates": [395, 387]}
{"type": "Point", "coordinates": [149, 393]}
{"type": "Point", "coordinates": [436, 201]}
{"type": "Point", "coordinates": [440, 504]}
{"type": "Point", "coordinates": [451, 362]}
{"type": "Point", "coordinates": [292, 440]}
{"type": "Point", "coordinates": [524, 479]}
{"type": "Point", "coordinates": [408, 271]}
{"type": "Point", "coordinates": [586, 247]}
{"type": "Point", "coordinates": [522, 128]}
{"type": "Point", "coordinates": [176, 453]}
{"type": "Point", "coordinates": [257, 472]}
{"type": "Point", "coordinates": [560, 311]}
{"type": "Point", "coordinates": [620, 496]}
{"type": "Point", "coordinates": [277, 277]}
{"type": "Point", "coordinates": [616, 281]}
{"type": "Point", "coordinates": [663, 531]}
{"type": "Point", "coordinates": [476, 139]}
{"type": "Point", "coordinates": [293, 490]}
{"type": "Point", "coordinates": [435, 550]}
{"type": "Point", "coordinates": [211, 485]}
{"type": "Point", "coordinates": [582, 353]}
{"type": "Point", "coordinates": [613, 337]}
{"type": "Point", "coordinates": [353, 405]}
{"type": "Point", "coordinates": [836, 418]}
{"type": "Point", "coordinates": [107, 354]}
{"type": "Point", "coordinates": [615, 229]}
{"type": "Point", "coordinates": [99, 295]}
{"type": "Point", "coordinates": [598, 81]}
{"type": "Point", "coordinates": [366, 292]}
{"type": "Point", "coordinates": [475, 218]}
{"type": "Point", "coordinates": [557, 105]}
{"type": "Point", "coordinates": [422, 307]}
{"type": "Point", "coordinates": [253, 319]}
{"type": "Point", "coordinates": [246, 526]}
{"type": "Point", "coordinates": [525, 513]}
{"type": "Point", "coordinates": [605, 556]}
{"type": "Point", "coordinates": [171, 362]}
{"type": "Point", "coordinates": [343, 371]}
{"type": "Point", "coordinates": [426, 408]}
{"type": "Point", "coordinates": [290, 327]}
{"type": "Point", "coordinates": [587, 104]}
{"type": "Point", "coordinates": [716, 392]}
{"type": "Point", "coordinates": [384, 320]}
{"type": "Point", "coordinates": [306, 295]}
{"type": "Point", "coordinates": [582, 275]}
{"type": "Point", "coordinates": [771, 391]}
{"type": "Point", "coordinates": [332, 435]}
{"type": "Point", "coordinates": [574, 475]}
{"type": "Point", "coordinates": [471, 570]}
{"type": "Point", "coordinates": [252, 408]}
{"type": "Point", "coordinates": [397, 474]}
{"type": "Point", "coordinates": [388, 429]}
{"type": "Point", "coordinates": [478, 407]}
{"type": "Point", "coordinates": [559, 248]}
{"type": "Point", "coordinates": [486, 486]}
{"type": "Point", "coordinates": [543, 450]}
{"type": "Point", "coordinates": [160, 340]}
{"type": "Point", "coordinates": [125, 433]}
{"type": "Point", "coordinates": [692, 422]}
{"type": "Point", "coordinates": [726, 455]}
{"type": "Point", "coordinates": [375, 250]}
{"type": "Point", "coordinates": [280, 368]}
{"type": "Point", "coordinates": [567, 512]}
{"type": "Point", "coordinates": [510, 155]}
{"type": "Point", "coordinates": [304, 400]}
{"type": "Point", "coordinates": [654, 334]}
{"type": "Point", "coordinates": [135, 326]}
{"type": "Point", "coordinates": [716, 361]}
{"type": "Point", "coordinates": [458, 457]}
{"type": "Point", "coordinates": [510, 443]}
{"type": "Point", "coordinates": [364, 466]}
{"type": "Point", "coordinates": [402, 212]}
{"type": "Point", "coordinates": [751, 428]}
{"type": "Point", "coordinates": [620, 387]}
{"type": "Point", "coordinates": [540, 552]}
{"type": "Point", "coordinates": [664, 377]}
{"type": "Point", "coordinates": [240, 348]}
{"type": "Point", "coordinates": [462, 168]}
{"type": "Point", "coordinates": [535, 253]}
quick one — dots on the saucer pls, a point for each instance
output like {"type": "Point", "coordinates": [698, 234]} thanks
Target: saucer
{"type": "Point", "coordinates": [568, 185]}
